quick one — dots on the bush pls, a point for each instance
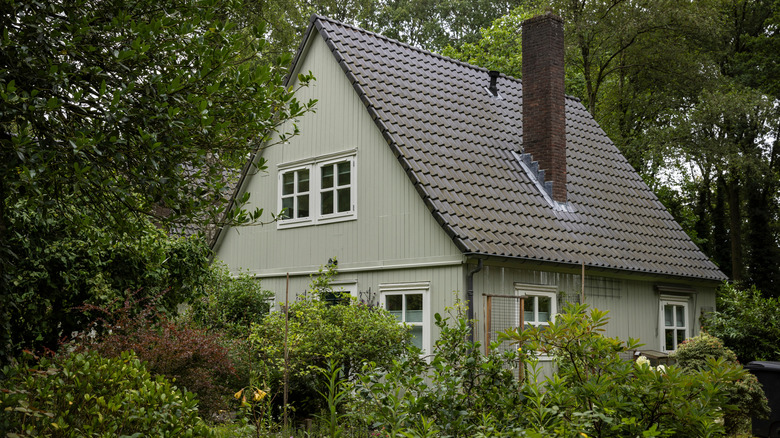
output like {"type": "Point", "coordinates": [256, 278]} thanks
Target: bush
{"type": "Point", "coordinates": [452, 394]}
{"type": "Point", "coordinates": [193, 358]}
{"type": "Point", "coordinates": [63, 261]}
{"type": "Point", "coordinates": [231, 304]}
{"type": "Point", "coordinates": [348, 334]}
{"type": "Point", "coordinates": [85, 394]}
{"type": "Point", "coordinates": [598, 393]}
{"type": "Point", "coordinates": [594, 393]}
{"type": "Point", "coordinates": [745, 396]}
{"type": "Point", "coordinates": [747, 323]}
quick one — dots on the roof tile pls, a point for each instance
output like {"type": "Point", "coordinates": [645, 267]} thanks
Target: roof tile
{"type": "Point", "coordinates": [456, 143]}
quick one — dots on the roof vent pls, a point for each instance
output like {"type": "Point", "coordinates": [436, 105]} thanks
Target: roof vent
{"type": "Point", "coordinates": [493, 88]}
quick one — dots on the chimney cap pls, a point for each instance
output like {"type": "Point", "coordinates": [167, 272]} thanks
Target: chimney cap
{"type": "Point", "coordinates": [493, 88]}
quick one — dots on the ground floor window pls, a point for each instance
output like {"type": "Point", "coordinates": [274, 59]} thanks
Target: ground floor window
{"type": "Point", "coordinates": [408, 303]}
{"type": "Point", "coordinates": [674, 322]}
{"type": "Point", "coordinates": [541, 303]}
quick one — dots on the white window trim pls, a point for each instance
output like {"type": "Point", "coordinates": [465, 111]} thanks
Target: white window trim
{"type": "Point", "coordinates": [535, 290]}
{"type": "Point", "coordinates": [315, 166]}
{"type": "Point", "coordinates": [389, 289]}
{"type": "Point", "coordinates": [674, 300]}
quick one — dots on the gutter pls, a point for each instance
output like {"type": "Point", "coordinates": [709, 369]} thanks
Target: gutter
{"type": "Point", "coordinates": [470, 297]}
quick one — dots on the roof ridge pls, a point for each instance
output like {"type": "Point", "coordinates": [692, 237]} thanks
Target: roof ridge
{"type": "Point", "coordinates": [407, 45]}
{"type": "Point", "coordinates": [316, 17]}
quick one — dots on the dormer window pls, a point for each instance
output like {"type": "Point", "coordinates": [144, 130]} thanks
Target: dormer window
{"type": "Point", "coordinates": [318, 191]}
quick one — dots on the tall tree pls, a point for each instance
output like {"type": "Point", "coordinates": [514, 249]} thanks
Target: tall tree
{"type": "Point", "coordinates": [685, 89]}
{"type": "Point", "coordinates": [130, 110]}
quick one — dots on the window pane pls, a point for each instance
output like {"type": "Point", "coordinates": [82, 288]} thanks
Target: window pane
{"type": "Point", "coordinates": [545, 307]}
{"type": "Point", "coordinates": [680, 316]}
{"type": "Point", "coordinates": [327, 202]}
{"type": "Point", "coordinates": [343, 169]}
{"type": "Point", "coordinates": [303, 206]}
{"type": "Point", "coordinates": [395, 305]}
{"type": "Point", "coordinates": [668, 316]}
{"type": "Point", "coordinates": [287, 205]}
{"type": "Point", "coordinates": [669, 342]}
{"type": "Point", "coordinates": [344, 200]}
{"type": "Point", "coordinates": [417, 336]}
{"type": "Point", "coordinates": [680, 336]}
{"type": "Point", "coordinates": [288, 183]}
{"type": "Point", "coordinates": [327, 176]}
{"type": "Point", "coordinates": [530, 309]}
{"type": "Point", "coordinates": [303, 181]}
{"type": "Point", "coordinates": [414, 309]}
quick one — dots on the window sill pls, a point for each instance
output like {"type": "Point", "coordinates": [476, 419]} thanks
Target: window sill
{"type": "Point", "coordinates": [283, 225]}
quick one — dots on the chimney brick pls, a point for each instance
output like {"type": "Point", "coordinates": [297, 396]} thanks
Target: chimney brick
{"type": "Point", "coordinates": [544, 101]}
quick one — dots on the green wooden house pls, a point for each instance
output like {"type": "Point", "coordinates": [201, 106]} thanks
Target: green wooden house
{"type": "Point", "coordinates": [431, 180]}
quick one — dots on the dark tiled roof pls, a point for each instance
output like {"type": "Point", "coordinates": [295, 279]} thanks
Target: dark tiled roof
{"type": "Point", "coordinates": [458, 146]}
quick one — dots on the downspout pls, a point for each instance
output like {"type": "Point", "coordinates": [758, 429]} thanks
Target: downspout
{"type": "Point", "coordinates": [470, 297]}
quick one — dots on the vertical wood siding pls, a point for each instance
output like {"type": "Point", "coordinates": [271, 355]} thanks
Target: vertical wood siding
{"type": "Point", "coordinates": [393, 225]}
{"type": "Point", "coordinates": [633, 305]}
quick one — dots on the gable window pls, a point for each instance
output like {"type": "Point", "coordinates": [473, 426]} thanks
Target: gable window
{"type": "Point", "coordinates": [295, 193]}
{"type": "Point", "coordinates": [540, 305]}
{"type": "Point", "coordinates": [674, 322]}
{"type": "Point", "coordinates": [407, 302]}
{"type": "Point", "coordinates": [319, 190]}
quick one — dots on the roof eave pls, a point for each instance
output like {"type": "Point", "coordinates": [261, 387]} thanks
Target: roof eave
{"type": "Point", "coordinates": [715, 280]}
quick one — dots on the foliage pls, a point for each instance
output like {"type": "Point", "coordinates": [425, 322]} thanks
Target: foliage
{"type": "Point", "coordinates": [499, 47]}
{"type": "Point", "coordinates": [745, 396]}
{"type": "Point", "coordinates": [231, 304]}
{"type": "Point", "coordinates": [193, 358]}
{"type": "Point", "coordinates": [452, 393]}
{"type": "Point", "coordinates": [121, 110]}
{"type": "Point", "coordinates": [595, 392]}
{"type": "Point", "coordinates": [747, 323]}
{"type": "Point", "coordinates": [84, 394]}
{"type": "Point", "coordinates": [598, 392]}
{"type": "Point", "coordinates": [63, 263]}
{"type": "Point", "coordinates": [318, 333]}
{"type": "Point", "coordinates": [336, 391]}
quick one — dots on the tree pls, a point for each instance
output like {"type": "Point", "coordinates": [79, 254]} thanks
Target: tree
{"type": "Point", "coordinates": [131, 110]}
{"type": "Point", "coordinates": [685, 92]}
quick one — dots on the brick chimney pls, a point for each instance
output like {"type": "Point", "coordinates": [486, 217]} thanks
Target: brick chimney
{"type": "Point", "coordinates": [544, 118]}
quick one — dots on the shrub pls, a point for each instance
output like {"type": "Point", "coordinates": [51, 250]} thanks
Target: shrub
{"type": "Point", "coordinates": [747, 323]}
{"type": "Point", "coordinates": [594, 393]}
{"type": "Point", "coordinates": [745, 396]}
{"type": "Point", "coordinates": [348, 334]}
{"type": "Point", "coordinates": [193, 358]}
{"type": "Point", "coordinates": [452, 394]}
{"type": "Point", "coordinates": [598, 393]}
{"type": "Point", "coordinates": [85, 394]}
{"type": "Point", "coordinates": [63, 261]}
{"type": "Point", "coordinates": [231, 304]}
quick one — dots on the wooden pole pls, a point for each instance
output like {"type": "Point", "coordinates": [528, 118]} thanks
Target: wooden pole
{"type": "Point", "coordinates": [487, 324]}
{"type": "Point", "coordinates": [520, 328]}
{"type": "Point", "coordinates": [286, 349]}
{"type": "Point", "coordinates": [582, 292]}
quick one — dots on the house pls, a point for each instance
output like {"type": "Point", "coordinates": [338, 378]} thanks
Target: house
{"type": "Point", "coordinates": [431, 180]}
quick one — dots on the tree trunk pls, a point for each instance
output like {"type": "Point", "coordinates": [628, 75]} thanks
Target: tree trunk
{"type": "Point", "coordinates": [735, 228]}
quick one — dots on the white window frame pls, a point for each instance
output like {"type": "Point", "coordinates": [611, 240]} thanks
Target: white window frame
{"type": "Point", "coordinates": [315, 167]}
{"type": "Point", "coordinates": [415, 288]}
{"type": "Point", "coordinates": [677, 301]}
{"type": "Point", "coordinates": [533, 292]}
{"type": "Point", "coordinates": [296, 194]}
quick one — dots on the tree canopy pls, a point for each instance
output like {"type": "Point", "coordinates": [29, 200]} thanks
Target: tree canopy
{"type": "Point", "coordinates": [115, 112]}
